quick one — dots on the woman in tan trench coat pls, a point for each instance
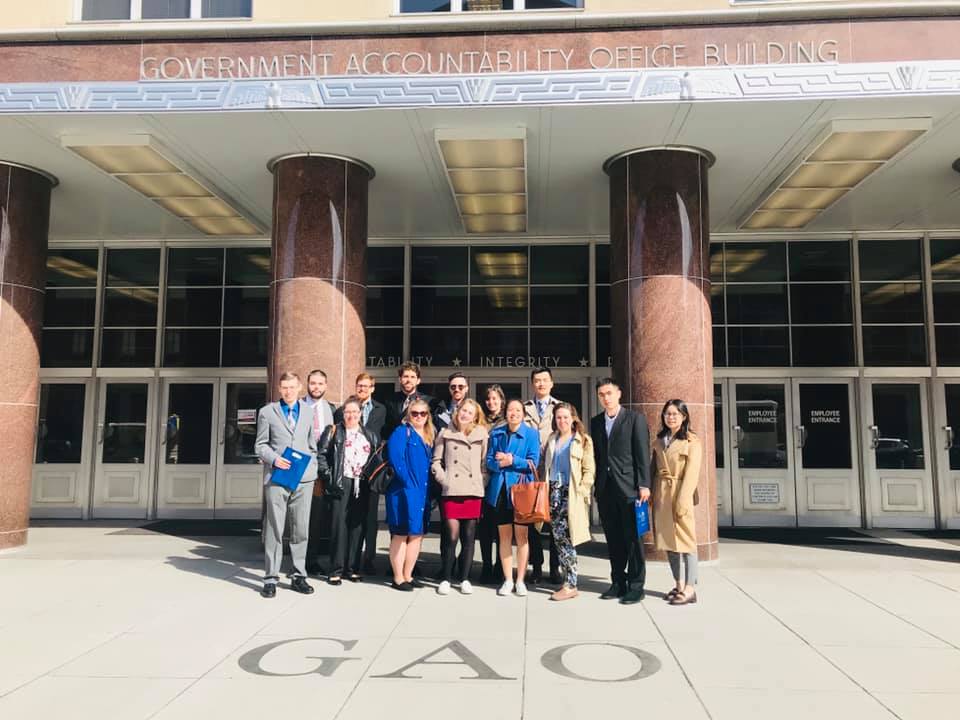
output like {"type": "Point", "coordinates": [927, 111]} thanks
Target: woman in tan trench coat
{"type": "Point", "coordinates": [677, 454]}
{"type": "Point", "coordinates": [570, 469]}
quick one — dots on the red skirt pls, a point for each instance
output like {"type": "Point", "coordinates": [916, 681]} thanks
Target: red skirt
{"type": "Point", "coordinates": [460, 507]}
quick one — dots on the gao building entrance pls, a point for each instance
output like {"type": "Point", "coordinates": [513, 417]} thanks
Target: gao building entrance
{"type": "Point", "coordinates": [761, 219]}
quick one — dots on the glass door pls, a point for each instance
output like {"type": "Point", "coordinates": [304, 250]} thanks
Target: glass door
{"type": "Point", "coordinates": [899, 484]}
{"type": "Point", "coordinates": [828, 484]}
{"type": "Point", "coordinates": [60, 473]}
{"type": "Point", "coordinates": [724, 490]}
{"type": "Point", "coordinates": [947, 434]}
{"type": "Point", "coordinates": [761, 465]}
{"type": "Point", "coordinates": [123, 455]}
{"type": "Point", "coordinates": [239, 484]}
{"type": "Point", "coordinates": [187, 475]}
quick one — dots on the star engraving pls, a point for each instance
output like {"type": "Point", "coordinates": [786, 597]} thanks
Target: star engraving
{"type": "Point", "coordinates": [584, 362]}
{"type": "Point", "coordinates": [457, 362]}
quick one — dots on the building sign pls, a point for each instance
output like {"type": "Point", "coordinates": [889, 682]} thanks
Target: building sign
{"type": "Point", "coordinates": [765, 493]}
{"type": "Point", "coordinates": [497, 53]}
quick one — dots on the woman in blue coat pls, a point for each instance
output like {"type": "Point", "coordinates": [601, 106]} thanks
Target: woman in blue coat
{"type": "Point", "coordinates": [511, 450]}
{"type": "Point", "coordinates": [410, 451]}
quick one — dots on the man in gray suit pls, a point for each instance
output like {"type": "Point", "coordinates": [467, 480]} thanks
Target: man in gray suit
{"type": "Point", "coordinates": [287, 423]}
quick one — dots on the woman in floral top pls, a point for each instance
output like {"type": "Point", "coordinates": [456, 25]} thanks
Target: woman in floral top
{"type": "Point", "coordinates": [343, 451]}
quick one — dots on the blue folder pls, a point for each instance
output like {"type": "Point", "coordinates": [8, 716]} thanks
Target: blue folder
{"type": "Point", "coordinates": [642, 510]}
{"type": "Point", "coordinates": [290, 478]}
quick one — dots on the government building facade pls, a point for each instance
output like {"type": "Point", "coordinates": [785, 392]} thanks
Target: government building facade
{"type": "Point", "coordinates": [751, 206]}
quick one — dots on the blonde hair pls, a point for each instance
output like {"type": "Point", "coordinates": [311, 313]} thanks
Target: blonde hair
{"type": "Point", "coordinates": [478, 421]}
{"type": "Point", "coordinates": [429, 432]}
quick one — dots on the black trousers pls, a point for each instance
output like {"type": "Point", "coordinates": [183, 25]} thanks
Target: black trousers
{"type": "Point", "coordinates": [489, 538]}
{"type": "Point", "coordinates": [348, 516]}
{"type": "Point", "coordinates": [319, 529]}
{"type": "Point", "coordinates": [617, 515]}
{"type": "Point", "coordinates": [536, 550]}
{"type": "Point", "coordinates": [371, 525]}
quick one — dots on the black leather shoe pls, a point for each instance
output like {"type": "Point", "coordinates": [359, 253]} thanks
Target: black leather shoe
{"type": "Point", "coordinates": [269, 590]}
{"type": "Point", "coordinates": [301, 585]}
{"type": "Point", "coordinates": [402, 587]}
{"type": "Point", "coordinates": [414, 583]}
{"type": "Point", "coordinates": [613, 592]}
{"type": "Point", "coordinates": [632, 597]}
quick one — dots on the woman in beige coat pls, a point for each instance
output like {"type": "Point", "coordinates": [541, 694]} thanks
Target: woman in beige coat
{"type": "Point", "coordinates": [678, 454]}
{"type": "Point", "coordinates": [570, 469]}
{"type": "Point", "coordinates": [458, 466]}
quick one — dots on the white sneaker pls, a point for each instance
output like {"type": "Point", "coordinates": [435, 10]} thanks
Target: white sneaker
{"type": "Point", "coordinates": [506, 588]}
{"type": "Point", "coordinates": [466, 588]}
{"type": "Point", "coordinates": [521, 588]}
{"type": "Point", "coordinates": [443, 588]}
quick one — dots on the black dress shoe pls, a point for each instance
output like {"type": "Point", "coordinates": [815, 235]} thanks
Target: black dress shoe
{"type": "Point", "coordinates": [414, 583]}
{"type": "Point", "coordinates": [613, 592]}
{"type": "Point", "coordinates": [301, 585]}
{"type": "Point", "coordinates": [632, 596]}
{"type": "Point", "coordinates": [334, 581]}
{"type": "Point", "coordinates": [355, 578]}
{"type": "Point", "coordinates": [402, 587]}
{"type": "Point", "coordinates": [269, 590]}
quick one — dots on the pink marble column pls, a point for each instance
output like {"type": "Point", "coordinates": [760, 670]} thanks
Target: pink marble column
{"type": "Point", "coordinates": [24, 221]}
{"type": "Point", "coordinates": [318, 291]}
{"type": "Point", "coordinates": [660, 298]}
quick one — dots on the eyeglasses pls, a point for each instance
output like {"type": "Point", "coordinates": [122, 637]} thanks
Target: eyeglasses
{"type": "Point", "coordinates": [418, 413]}
{"type": "Point", "coordinates": [458, 387]}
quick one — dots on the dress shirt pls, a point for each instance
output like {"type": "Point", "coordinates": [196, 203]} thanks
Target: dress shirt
{"type": "Point", "coordinates": [609, 421]}
{"type": "Point", "coordinates": [561, 462]}
{"type": "Point", "coordinates": [287, 409]}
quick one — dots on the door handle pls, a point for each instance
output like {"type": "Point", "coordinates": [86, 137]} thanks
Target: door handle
{"type": "Point", "coordinates": [100, 434]}
{"type": "Point", "coordinates": [802, 433]}
{"type": "Point", "coordinates": [874, 437]}
{"type": "Point", "coordinates": [739, 435]}
{"type": "Point", "coordinates": [223, 435]}
{"type": "Point", "coordinates": [949, 431]}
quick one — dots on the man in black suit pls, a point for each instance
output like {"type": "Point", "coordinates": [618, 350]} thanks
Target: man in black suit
{"type": "Point", "coordinates": [621, 444]}
{"type": "Point", "coordinates": [373, 416]}
{"type": "Point", "coordinates": [409, 378]}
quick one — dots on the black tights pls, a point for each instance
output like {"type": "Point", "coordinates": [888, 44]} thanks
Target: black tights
{"type": "Point", "coordinates": [464, 531]}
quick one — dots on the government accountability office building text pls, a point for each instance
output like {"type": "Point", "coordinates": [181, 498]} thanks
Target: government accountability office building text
{"type": "Point", "coordinates": [752, 206]}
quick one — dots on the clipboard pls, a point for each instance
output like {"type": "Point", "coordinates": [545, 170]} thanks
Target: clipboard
{"type": "Point", "coordinates": [290, 478]}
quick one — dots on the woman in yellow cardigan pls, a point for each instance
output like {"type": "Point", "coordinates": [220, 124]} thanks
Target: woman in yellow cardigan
{"type": "Point", "coordinates": [678, 454]}
{"type": "Point", "coordinates": [570, 470]}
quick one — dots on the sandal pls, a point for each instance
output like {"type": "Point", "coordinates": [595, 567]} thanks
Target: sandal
{"type": "Point", "coordinates": [334, 580]}
{"type": "Point", "coordinates": [682, 598]}
{"type": "Point", "coordinates": [671, 595]}
{"type": "Point", "coordinates": [355, 578]}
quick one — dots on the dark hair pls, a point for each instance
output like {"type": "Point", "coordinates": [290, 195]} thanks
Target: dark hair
{"type": "Point", "coordinates": [512, 400]}
{"type": "Point", "coordinates": [316, 372]}
{"type": "Point", "coordinates": [607, 381]}
{"type": "Point", "coordinates": [458, 375]}
{"type": "Point", "coordinates": [411, 366]}
{"type": "Point", "coordinates": [496, 390]}
{"type": "Point", "coordinates": [684, 430]}
{"type": "Point", "coordinates": [541, 370]}
{"type": "Point", "coordinates": [352, 400]}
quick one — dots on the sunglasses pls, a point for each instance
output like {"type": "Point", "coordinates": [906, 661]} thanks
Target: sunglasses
{"type": "Point", "coordinates": [418, 413]}
{"type": "Point", "coordinates": [458, 387]}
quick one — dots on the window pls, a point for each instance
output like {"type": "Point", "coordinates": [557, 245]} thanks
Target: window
{"type": "Point", "coordinates": [164, 9]}
{"type": "Point", "coordinates": [217, 307]}
{"type": "Point", "coordinates": [430, 6]}
{"type": "Point", "coordinates": [70, 309]}
{"type": "Point", "coordinates": [891, 303]}
{"type": "Point", "coordinates": [129, 317]}
{"type": "Point", "coordinates": [780, 304]}
{"type": "Point", "coordinates": [384, 323]}
{"type": "Point", "coordinates": [945, 275]}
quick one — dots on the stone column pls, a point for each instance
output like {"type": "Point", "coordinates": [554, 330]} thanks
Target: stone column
{"type": "Point", "coordinates": [660, 298]}
{"type": "Point", "coordinates": [318, 289]}
{"type": "Point", "coordinates": [24, 221]}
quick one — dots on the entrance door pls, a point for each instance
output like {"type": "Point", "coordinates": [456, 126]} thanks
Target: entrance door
{"type": "Point", "coordinates": [239, 484]}
{"type": "Point", "coordinates": [899, 483]}
{"type": "Point", "coordinates": [828, 486]}
{"type": "Point", "coordinates": [187, 468]}
{"type": "Point", "coordinates": [208, 464]}
{"type": "Point", "coordinates": [947, 434]}
{"type": "Point", "coordinates": [123, 455]}
{"type": "Point", "coordinates": [61, 463]}
{"type": "Point", "coordinates": [761, 465]}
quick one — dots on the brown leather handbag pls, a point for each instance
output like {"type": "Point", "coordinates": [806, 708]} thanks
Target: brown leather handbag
{"type": "Point", "coordinates": [531, 500]}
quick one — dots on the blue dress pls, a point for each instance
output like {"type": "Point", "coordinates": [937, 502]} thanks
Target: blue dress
{"type": "Point", "coordinates": [406, 497]}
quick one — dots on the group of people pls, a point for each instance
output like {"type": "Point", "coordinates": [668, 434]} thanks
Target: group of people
{"type": "Point", "coordinates": [466, 459]}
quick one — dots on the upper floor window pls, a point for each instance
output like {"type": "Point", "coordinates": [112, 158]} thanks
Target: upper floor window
{"type": "Point", "coordinates": [164, 9]}
{"type": "Point", "coordinates": [425, 6]}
